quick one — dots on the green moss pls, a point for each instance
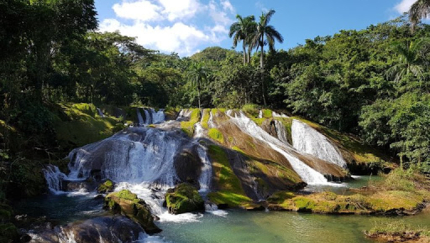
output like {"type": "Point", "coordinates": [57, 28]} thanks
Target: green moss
{"type": "Point", "coordinates": [216, 135]}
{"type": "Point", "coordinates": [267, 113]}
{"type": "Point", "coordinates": [230, 188]}
{"type": "Point", "coordinates": [105, 187]}
{"type": "Point", "coordinates": [280, 197]}
{"type": "Point", "coordinates": [188, 126]}
{"type": "Point", "coordinates": [229, 198]}
{"type": "Point", "coordinates": [205, 118]}
{"type": "Point", "coordinates": [184, 198]}
{"type": "Point", "coordinates": [127, 203]}
{"type": "Point", "coordinates": [82, 126]}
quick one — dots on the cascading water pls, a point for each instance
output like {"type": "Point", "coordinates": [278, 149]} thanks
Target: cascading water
{"type": "Point", "coordinates": [54, 178]}
{"type": "Point", "coordinates": [308, 175]}
{"type": "Point", "coordinates": [139, 117]}
{"type": "Point", "coordinates": [281, 132]}
{"type": "Point", "coordinates": [308, 140]}
{"type": "Point", "coordinates": [100, 113]}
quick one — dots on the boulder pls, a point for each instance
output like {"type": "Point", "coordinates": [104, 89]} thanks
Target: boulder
{"type": "Point", "coordinates": [184, 198]}
{"type": "Point", "coordinates": [126, 203]}
{"type": "Point", "coordinates": [102, 229]}
{"type": "Point", "coordinates": [106, 187]}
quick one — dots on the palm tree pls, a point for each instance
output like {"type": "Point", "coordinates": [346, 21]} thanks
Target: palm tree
{"type": "Point", "coordinates": [410, 59]}
{"type": "Point", "coordinates": [419, 10]}
{"type": "Point", "coordinates": [241, 31]}
{"type": "Point", "coordinates": [198, 74]}
{"type": "Point", "coordinates": [264, 30]}
{"type": "Point", "coordinates": [265, 34]}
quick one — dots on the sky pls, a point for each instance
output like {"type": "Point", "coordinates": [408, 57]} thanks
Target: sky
{"type": "Point", "coordinates": [189, 26]}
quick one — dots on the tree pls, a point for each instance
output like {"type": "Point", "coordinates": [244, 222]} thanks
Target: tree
{"type": "Point", "coordinates": [198, 74]}
{"type": "Point", "coordinates": [266, 34]}
{"type": "Point", "coordinates": [243, 30]}
{"type": "Point", "coordinates": [419, 10]}
{"type": "Point", "coordinates": [410, 60]}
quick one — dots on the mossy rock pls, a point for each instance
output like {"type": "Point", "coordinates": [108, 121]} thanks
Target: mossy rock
{"type": "Point", "coordinates": [184, 198]}
{"type": "Point", "coordinates": [126, 203]}
{"type": "Point", "coordinates": [106, 187]}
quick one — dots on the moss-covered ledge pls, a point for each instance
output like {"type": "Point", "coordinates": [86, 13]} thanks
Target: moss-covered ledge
{"type": "Point", "coordinates": [401, 193]}
{"type": "Point", "coordinates": [184, 198]}
{"type": "Point", "coordinates": [128, 204]}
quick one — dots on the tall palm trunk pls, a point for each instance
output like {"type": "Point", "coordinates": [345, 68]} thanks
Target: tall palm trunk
{"type": "Point", "coordinates": [263, 88]}
{"type": "Point", "coordinates": [244, 53]}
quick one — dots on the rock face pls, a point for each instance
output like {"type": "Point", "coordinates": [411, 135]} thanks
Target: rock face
{"type": "Point", "coordinates": [102, 229]}
{"type": "Point", "coordinates": [184, 198]}
{"type": "Point", "coordinates": [126, 203]}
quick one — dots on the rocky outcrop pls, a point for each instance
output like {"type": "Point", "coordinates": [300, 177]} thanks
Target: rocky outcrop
{"type": "Point", "coordinates": [102, 229]}
{"type": "Point", "coordinates": [106, 187]}
{"type": "Point", "coordinates": [126, 203]}
{"type": "Point", "coordinates": [184, 198]}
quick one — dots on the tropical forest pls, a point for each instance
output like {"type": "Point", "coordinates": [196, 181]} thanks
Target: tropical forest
{"type": "Point", "coordinates": [104, 138]}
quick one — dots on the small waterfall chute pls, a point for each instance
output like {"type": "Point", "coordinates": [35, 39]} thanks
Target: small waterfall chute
{"type": "Point", "coordinates": [100, 113]}
{"type": "Point", "coordinates": [310, 141]}
{"type": "Point", "coordinates": [139, 118]}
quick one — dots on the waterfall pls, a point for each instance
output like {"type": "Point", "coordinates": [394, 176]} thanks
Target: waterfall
{"type": "Point", "coordinates": [308, 140]}
{"type": "Point", "coordinates": [100, 113]}
{"type": "Point", "coordinates": [158, 117]}
{"type": "Point", "coordinates": [274, 114]}
{"type": "Point", "coordinates": [260, 114]}
{"type": "Point", "coordinates": [148, 117]}
{"type": "Point", "coordinates": [54, 178]}
{"type": "Point", "coordinates": [139, 117]}
{"type": "Point", "coordinates": [281, 132]}
{"type": "Point", "coordinates": [308, 175]}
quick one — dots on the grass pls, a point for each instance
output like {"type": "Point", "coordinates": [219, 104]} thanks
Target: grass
{"type": "Point", "coordinates": [188, 126]}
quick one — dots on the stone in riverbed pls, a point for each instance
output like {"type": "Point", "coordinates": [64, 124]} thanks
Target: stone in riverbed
{"type": "Point", "coordinates": [106, 187]}
{"type": "Point", "coordinates": [126, 203]}
{"type": "Point", "coordinates": [184, 198]}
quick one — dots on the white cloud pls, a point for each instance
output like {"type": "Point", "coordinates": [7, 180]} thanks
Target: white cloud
{"type": "Point", "coordinates": [180, 9]}
{"type": "Point", "coordinates": [404, 6]}
{"type": "Point", "coordinates": [182, 26]}
{"type": "Point", "coordinates": [226, 4]}
{"type": "Point", "coordinates": [139, 10]}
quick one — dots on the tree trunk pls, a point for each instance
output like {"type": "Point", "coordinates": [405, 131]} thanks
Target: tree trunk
{"type": "Point", "coordinates": [244, 53]}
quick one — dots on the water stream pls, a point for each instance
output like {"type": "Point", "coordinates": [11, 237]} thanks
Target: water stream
{"type": "Point", "coordinates": [142, 159]}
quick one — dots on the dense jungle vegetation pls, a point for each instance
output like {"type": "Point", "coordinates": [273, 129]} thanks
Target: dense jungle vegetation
{"type": "Point", "coordinates": [373, 83]}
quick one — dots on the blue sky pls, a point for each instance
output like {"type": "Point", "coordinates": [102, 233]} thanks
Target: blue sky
{"type": "Point", "coordinates": [189, 26]}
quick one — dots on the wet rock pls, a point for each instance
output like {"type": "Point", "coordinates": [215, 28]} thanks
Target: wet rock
{"type": "Point", "coordinates": [126, 203]}
{"type": "Point", "coordinates": [184, 198]}
{"type": "Point", "coordinates": [102, 229]}
{"type": "Point", "coordinates": [188, 166]}
{"type": "Point", "coordinates": [106, 187]}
